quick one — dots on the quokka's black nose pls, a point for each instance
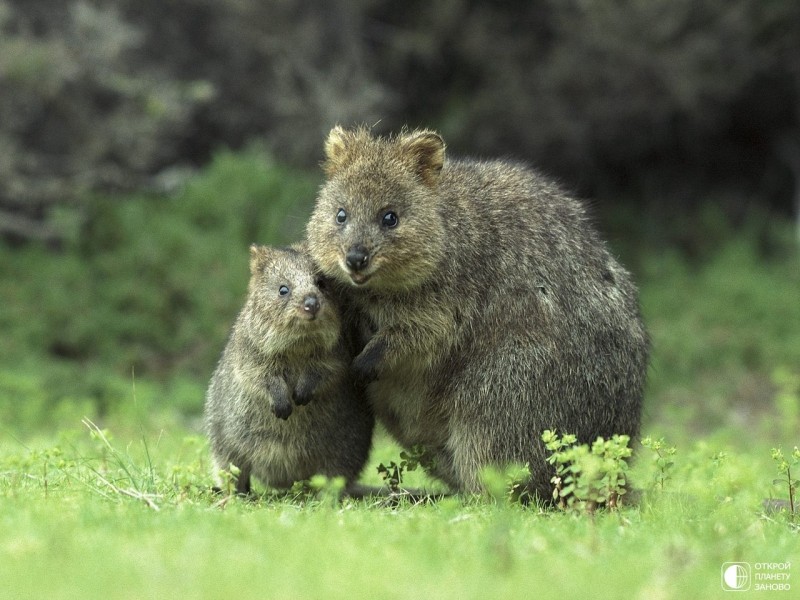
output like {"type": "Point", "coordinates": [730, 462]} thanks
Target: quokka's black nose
{"type": "Point", "coordinates": [311, 305]}
{"type": "Point", "coordinates": [357, 258]}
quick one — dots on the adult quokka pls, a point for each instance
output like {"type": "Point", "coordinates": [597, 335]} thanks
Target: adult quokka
{"type": "Point", "coordinates": [488, 306]}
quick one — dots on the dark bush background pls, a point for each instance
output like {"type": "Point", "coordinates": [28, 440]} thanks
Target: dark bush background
{"type": "Point", "coordinates": [659, 103]}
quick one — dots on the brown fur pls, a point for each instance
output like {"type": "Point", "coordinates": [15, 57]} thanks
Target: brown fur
{"type": "Point", "coordinates": [281, 405]}
{"type": "Point", "coordinates": [489, 311]}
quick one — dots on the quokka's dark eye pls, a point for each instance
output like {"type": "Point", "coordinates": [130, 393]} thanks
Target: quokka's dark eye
{"type": "Point", "coordinates": [321, 283]}
{"type": "Point", "coordinates": [341, 216]}
{"type": "Point", "coordinates": [283, 290]}
{"type": "Point", "coordinates": [390, 220]}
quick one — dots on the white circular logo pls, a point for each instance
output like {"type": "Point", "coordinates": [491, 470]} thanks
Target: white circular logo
{"type": "Point", "coordinates": [736, 576]}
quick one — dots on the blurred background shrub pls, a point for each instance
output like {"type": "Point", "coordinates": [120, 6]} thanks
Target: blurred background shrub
{"type": "Point", "coordinates": [655, 102]}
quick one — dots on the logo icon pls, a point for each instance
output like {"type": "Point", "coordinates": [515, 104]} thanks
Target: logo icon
{"type": "Point", "coordinates": [736, 576]}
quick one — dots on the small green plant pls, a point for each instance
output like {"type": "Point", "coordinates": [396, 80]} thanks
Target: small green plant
{"type": "Point", "coordinates": [509, 484]}
{"type": "Point", "coordinates": [317, 490]}
{"type": "Point", "coordinates": [228, 477]}
{"type": "Point", "coordinates": [46, 466]}
{"type": "Point", "coordinates": [718, 458]}
{"type": "Point", "coordinates": [614, 454]}
{"type": "Point", "coordinates": [328, 489]}
{"type": "Point", "coordinates": [189, 467]}
{"type": "Point", "coordinates": [663, 459]}
{"type": "Point", "coordinates": [587, 477]}
{"type": "Point", "coordinates": [392, 474]}
{"type": "Point", "coordinates": [47, 455]}
{"type": "Point", "coordinates": [785, 466]}
{"type": "Point", "coordinates": [558, 445]}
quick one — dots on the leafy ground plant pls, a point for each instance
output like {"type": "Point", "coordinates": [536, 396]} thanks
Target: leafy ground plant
{"type": "Point", "coordinates": [588, 476]}
{"type": "Point", "coordinates": [393, 473]}
{"type": "Point", "coordinates": [662, 459]}
{"type": "Point", "coordinates": [789, 482]}
{"type": "Point", "coordinates": [508, 484]}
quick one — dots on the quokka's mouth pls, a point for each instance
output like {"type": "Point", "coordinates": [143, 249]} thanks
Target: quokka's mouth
{"type": "Point", "coordinates": [359, 278]}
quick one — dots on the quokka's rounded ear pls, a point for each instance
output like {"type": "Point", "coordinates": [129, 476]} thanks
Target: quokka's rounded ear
{"type": "Point", "coordinates": [336, 150]}
{"type": "Point", "coordinates": [425, 151]}
{"type": "Point", "coordinates": [258, 256]}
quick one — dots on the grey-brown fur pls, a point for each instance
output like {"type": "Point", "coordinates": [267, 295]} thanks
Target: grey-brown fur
{"type": "Point", "coordinates": [490, 311]}
{"type": "Point", "coordinates": [281, 405]}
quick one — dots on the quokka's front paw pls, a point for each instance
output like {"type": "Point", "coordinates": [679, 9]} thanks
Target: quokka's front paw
{"type": "Point", "coordinates": [282, 409]}
{"type": "Point", "coordinates": [367, 365]}
{"type": "Point", "coordinates": [307, 386]}
{"type": "Point", "coordinates": [303, 395]}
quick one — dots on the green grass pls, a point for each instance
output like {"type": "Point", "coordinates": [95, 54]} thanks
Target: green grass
{"type": "Point", "coordinates": [133, 518]}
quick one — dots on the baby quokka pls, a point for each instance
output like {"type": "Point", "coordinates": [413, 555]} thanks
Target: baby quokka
{"type": "Point", "coordinates": [281, 405]}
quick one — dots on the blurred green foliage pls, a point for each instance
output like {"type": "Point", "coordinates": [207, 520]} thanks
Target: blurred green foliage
{"type": "Point", "coordinates": [724, 334]}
